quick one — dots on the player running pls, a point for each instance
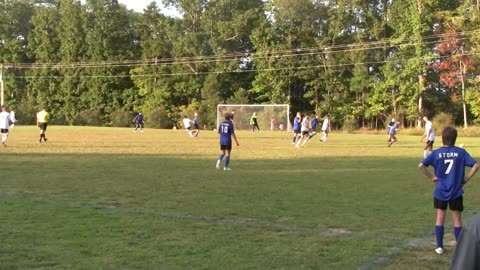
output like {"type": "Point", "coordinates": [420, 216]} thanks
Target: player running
{"type": "Point", "coordinates": [42, 122]}
{"type": "Point", "coordinates": [187, 126]}
{"type": "Point", "coordinates": [430, 135]}
{"type": "Point", "coordinates": [138, 122]}
{"type": "Point", "coordinates": [296, 127]}
{"type": "Point", "coordinates": [5, 120]}
{"type": "Point", "coordinates": [304, 129]}
{"type": "Point", "coordinates": [391, 133]}
{"type": "Point", "coordinates": [196, 125]}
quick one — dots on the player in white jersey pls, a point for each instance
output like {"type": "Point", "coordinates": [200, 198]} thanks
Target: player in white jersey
{"type": "Point", "coordinates": [325, 128]}
{"type": "Point", "coordinates": [187, 125]}
{"type": "Point", "coordinates": [304, 129]}
{"type": "Point", "coordinates": [12, 119]}
{"type": "Point", "coordinates": [4, 123]}
{"type": "Point", "coordinates": [430, 135]}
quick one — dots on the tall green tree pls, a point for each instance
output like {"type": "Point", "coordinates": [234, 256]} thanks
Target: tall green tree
{"type": "Point", "coordinates": [108, 39]}
{"type": "Point", "coordinates": [44, 45]}
{"type": "Point", "coordinates": [15, 29]}
{"type": "Point", "coordinates": [72, 34]}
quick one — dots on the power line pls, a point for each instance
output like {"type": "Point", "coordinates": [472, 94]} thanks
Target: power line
{"type": "Point", "coordinates": [313, 51]}
{"type": "Point", "coordinates": [237, 71]}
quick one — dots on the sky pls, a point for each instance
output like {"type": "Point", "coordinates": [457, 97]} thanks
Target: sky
{"type": "Point", "coordinates": [139, 5]}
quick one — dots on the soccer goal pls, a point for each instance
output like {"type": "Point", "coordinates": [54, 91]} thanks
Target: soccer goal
{"type": "Point", "coordinates": [271, 117]}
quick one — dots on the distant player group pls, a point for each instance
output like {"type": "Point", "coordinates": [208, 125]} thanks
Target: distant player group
{"type": "Point", "coordinates": [305, 129]}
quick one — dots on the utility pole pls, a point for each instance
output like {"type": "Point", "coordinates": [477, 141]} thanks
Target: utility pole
{"type": "Point", "coordinates": [464, 103]}
{"type": "Point", "coordinates": [1, 85]}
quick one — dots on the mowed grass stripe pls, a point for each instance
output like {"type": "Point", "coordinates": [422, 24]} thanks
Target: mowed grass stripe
{"type": "Point", "coordinates": [264, 225]}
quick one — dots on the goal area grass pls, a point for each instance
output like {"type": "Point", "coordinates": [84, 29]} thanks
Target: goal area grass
{"type": "Point", "coordinates": [108, 198]}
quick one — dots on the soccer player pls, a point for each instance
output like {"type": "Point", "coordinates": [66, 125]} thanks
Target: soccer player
{"type": "Point", "coordinates": [196, 125]}
{"type": "Point", "coordinates": [296, 127]}
{"type": "Point", "coordinates": [254, 122]}
{"type": "Point", "coordinates": [326, 126]}
{"type": "Point", "coordinates": [187, 126]}
{"type": "Point", "coordinates": [138, 122]}
{"type": "Point", "coordinates": [304, 129]}
{"type": "Point", "coordinates": [449, 164]}
{"type": "Point", "coordinates": [12, 118]}
{"type": "Point", "coordinates": [227, 132]}
{"type": "Point", "coordinates": [391, 133]}
{"type": "Point", "coordinates": [389, 126]}
{"type": "Point", "coordinates": [42, 123]}
{"type": "Point", "coordinates": [313, 126]}
{"type": "Point", "coordinates": [430, 135]}
{"type": "Point", "coordinates": [272, 124]}
{"type": "Point", "coordinates": [5, 120]}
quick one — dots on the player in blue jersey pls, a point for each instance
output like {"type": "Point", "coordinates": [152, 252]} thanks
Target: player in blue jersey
{"type": "Point", "coordinates": [138, 120]}
{"type": "Point", "coordinates": [391, 133]}
{"type": "Point", "coordinates": [227, 132]}
{"type": "Point", "coordinates": [313, 127]}
{"type": "Point", "coordinates": [296, 127]}
{"type": "Point", "coordinates": [389, 126]}
{"type": "Point", "coordinates": [449, 164]}
{"type": "Point", "coordinates": [196, 125]}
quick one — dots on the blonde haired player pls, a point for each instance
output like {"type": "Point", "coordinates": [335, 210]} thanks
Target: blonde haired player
{"type": "Point", "coordinates": [304, 129]}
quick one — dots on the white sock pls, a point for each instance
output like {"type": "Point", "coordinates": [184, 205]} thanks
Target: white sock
{"type": "Point", "coordinates": [299, 141]}
{"type": "Point", "coordinates": [425, 153]}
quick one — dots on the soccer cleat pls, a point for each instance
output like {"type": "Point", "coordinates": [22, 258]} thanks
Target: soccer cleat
{"type": "Point", "coordinates": [439, 250]}
{"type": "Point", "coordinates": [226, 169]}
{"type": "Point", "coordinates": [218, 164]}
{"type": "Point", "coordinates": [45, 139]}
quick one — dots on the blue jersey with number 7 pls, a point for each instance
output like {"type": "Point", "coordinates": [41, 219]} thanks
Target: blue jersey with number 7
{"type": "Point", "coordinates": [225, 130]}
{"type": "Point", "coordinates": [449, 164]}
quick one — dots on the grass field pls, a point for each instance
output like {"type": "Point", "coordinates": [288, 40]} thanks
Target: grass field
{"type": "Point", "coordinates": [106, 198]}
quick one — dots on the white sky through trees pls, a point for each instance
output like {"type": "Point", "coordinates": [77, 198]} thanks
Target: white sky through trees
{"type": "Point", "coordinates": [140, 5]}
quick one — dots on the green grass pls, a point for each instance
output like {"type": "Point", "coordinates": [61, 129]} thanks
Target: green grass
{"type": "Point", "coordinates": [106, 198]}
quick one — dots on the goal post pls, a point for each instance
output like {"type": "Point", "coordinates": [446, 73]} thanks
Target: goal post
{"type": "Point", "coordinates": [268, 115]}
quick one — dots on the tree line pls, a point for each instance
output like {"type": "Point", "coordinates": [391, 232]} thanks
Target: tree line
{"type": "Point", "coordinates": [362, 61]}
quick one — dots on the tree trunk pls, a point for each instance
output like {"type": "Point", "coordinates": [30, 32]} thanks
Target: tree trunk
{"type": "Point", "coordinates": [465, 120]}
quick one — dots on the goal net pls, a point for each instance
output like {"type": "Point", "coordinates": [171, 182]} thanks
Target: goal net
{"type": "Point", "coordinates": [270, 116]}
